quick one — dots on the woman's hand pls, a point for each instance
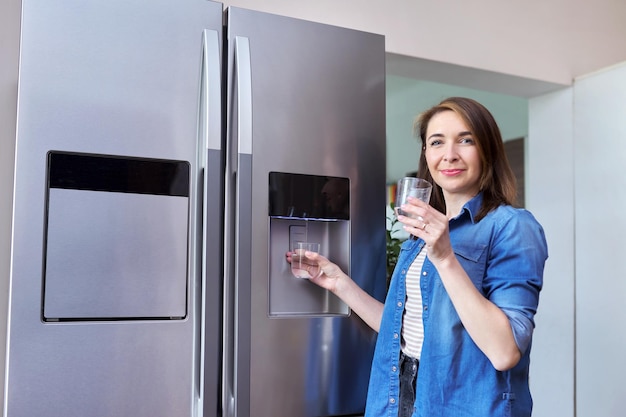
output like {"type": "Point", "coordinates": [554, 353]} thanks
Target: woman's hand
{"type": "Point", "coordinates": [324, 273]}
{"type": "Point", "coordinates": [429, 225]}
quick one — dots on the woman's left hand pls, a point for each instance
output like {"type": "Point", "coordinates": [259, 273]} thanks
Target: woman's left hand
{"type": "Point", "coordinates": [430, 225]}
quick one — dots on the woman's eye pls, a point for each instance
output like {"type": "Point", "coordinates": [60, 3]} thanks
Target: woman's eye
{"type": "Point", "coordinates": [467, 140]}
{"type": "Point", "coordinates": [435, 142]}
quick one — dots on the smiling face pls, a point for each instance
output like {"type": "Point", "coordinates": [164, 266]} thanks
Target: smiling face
{"type": "Point", "coordinates": [452, 156]}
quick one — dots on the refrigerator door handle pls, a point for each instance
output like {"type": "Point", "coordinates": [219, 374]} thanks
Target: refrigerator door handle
{"type": "Point", "coordinates": [211, 106]}
{"type": "Point", "coordinates": [210, 200]}
{"type": "Point", "coordinates": [237, 290]}
{"type": "Point", "coordinates": [244, 94]}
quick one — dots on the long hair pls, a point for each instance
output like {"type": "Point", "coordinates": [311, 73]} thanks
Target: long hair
{"type": "Point", "coordinates": [497, 181]}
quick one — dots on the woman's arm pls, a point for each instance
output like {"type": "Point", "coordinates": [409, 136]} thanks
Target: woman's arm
{"type": "Point", "coordinates": [486, 323]}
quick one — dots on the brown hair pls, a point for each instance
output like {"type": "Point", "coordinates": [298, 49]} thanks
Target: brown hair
{"type": "Point", "coordinates": [497, 181]}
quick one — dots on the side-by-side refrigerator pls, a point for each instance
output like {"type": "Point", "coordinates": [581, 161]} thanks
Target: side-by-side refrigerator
{"type": "Point", "coordinates": [169, 153]}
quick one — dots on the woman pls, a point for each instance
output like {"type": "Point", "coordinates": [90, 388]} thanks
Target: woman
{"type": "Point", "coordinates": [455, 331]}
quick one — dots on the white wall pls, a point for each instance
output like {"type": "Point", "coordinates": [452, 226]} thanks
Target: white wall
{"type": "Point", "coordinates": [576, 153]}
{"type": "Point", "coordinates": [600, 230]}
{"type": "Point", "coordinates": [550, 196]}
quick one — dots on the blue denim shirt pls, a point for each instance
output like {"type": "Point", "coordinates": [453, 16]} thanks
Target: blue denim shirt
{"type": "Point", "coordinates": [504, 255]}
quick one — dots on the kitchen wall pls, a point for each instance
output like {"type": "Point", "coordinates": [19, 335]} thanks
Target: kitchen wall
{"type": "Point", "coordinates": [549, 194]}
{"type": "Point", "coordinates": [576, 152]}
{"type": "Point", "coordinates": [599, 200]}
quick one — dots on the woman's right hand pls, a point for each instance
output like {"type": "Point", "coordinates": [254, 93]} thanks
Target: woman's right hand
{"type": "Point", "coordinates": [328, 273]}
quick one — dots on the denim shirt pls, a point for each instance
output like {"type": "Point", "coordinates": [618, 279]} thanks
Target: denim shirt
{"type": "Point", "coordinates": [504, 256]}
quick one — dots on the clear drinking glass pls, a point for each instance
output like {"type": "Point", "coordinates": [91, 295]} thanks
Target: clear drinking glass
{"type": "Point", "coordinates": [300, 266]}
{"type": "Point", "coordinates": [411, 187]}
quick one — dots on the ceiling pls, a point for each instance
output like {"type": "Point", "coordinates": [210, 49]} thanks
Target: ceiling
{"type": "Point", "coordinates": [423, 69]}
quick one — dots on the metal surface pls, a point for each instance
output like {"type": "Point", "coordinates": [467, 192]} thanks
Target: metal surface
{"type": "Point", "coordinates": [318, 108]}
{"type": "Point", "coordinates": [109, 78]}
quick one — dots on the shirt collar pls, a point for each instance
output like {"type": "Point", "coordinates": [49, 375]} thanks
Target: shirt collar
{"type": "Point", "coordinates": [472, 207]}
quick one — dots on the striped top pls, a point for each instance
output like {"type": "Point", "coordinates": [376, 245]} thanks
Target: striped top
{"type": "Point", "coordinates": [412, 324]}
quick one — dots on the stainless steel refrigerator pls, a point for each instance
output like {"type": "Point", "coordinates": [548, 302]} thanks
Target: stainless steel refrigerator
{"type": "Point", "coordinates": [168, 153]}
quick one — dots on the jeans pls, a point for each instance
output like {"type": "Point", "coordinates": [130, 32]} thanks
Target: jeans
{"type": "Point", "coordinates": [408, 377]}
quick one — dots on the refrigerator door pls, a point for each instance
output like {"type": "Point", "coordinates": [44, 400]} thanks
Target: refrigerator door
{"type": "Point", "coordinates": [116, 151]}
{"type": "Point", "coordinates": [306, 105]}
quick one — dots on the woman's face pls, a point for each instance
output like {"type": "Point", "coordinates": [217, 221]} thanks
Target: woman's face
{"type": "Point", "coordinates": [452, 155]}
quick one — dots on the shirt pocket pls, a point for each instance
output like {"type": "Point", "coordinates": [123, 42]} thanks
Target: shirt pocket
{"type": "Point", "coordinates": [473, 260]}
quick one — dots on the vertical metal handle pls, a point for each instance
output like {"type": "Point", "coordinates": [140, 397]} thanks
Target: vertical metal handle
{"type": "Point", "coordinates": [210, 94]}
{"type": "Point", "coordinates": [240, 174]}
{"type": "Point", "coordinates": [244, 94]}
{"type": "Point", "coordinates": [210, 177]}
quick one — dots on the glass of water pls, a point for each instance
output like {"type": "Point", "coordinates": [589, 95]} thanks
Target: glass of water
{"type": "Point", "coordinates": [411, 187]}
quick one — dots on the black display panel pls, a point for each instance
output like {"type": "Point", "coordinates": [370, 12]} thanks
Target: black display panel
{"type": "Point", "coordinates": [118, 174]}
{"type": "Point", "coordinates": [309, 196]}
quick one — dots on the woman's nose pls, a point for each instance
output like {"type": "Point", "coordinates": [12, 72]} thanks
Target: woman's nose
{"type": "Point", "coordinates": [450, 154]}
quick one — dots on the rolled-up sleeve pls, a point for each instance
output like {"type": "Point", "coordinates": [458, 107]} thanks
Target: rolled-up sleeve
{"type": "Point", "coordinates": [514, 275]}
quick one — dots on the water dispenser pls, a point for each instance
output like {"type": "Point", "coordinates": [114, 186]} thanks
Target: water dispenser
{"type": "Point", "coordinates": [306, 208]}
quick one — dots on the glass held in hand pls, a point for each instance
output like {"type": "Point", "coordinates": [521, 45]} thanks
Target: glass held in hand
{"type": "Point", "coordinates": [301, 266]}
{"type": "Point", "coordinates": [411, 187]}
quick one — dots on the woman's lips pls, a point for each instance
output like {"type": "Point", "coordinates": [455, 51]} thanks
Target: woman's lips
{"type": "Point", "coordinates": [451, 172]}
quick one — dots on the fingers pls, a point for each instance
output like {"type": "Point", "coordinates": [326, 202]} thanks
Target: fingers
{"type": "Point", "coordinates": [326, 267]}
{"type": "Point", "coordinates": [314, 256]}
{"type": "Point", "coordinates": [316, 264]}
{"type": "Point", "coordinates": [320, 272]}
{"type": "Point", "coordinates": [416, 209]}
{"type": "Point", "coordinates": [423, 223]}
{"type": "Point", "coordinates": [310, 255]}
